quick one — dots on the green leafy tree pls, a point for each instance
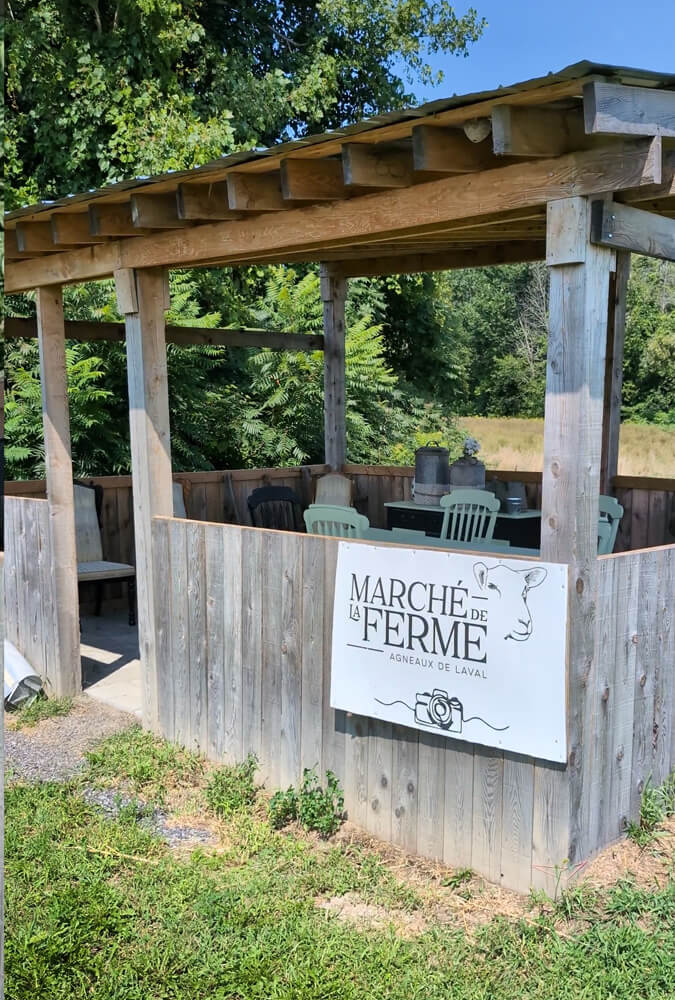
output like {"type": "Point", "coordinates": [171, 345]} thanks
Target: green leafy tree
{"type": "Point", "coordinates": [114, 88]}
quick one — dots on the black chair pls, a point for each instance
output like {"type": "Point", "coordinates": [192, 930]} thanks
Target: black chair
{"type": "Point", "coordinates": [276, 507]}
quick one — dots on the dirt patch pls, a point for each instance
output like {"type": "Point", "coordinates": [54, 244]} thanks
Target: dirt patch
{"type": "Point", "coordinates": [351, 909]}
{"type": "Point", "coordinates": [649, 867]}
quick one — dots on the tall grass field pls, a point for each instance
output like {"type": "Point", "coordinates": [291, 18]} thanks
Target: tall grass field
{"type": "Point", "coordinates": [518, 444]}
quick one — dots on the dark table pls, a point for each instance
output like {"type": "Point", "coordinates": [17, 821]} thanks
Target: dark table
{"type": "Point", "coordinates": [522, 529]}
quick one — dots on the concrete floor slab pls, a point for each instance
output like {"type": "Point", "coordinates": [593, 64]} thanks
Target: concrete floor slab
{"type": "Point", "coordinates": [111, 669]}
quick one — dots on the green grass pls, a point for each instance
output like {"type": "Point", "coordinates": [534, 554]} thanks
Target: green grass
{"type": "Point", "coordinates": [42, 708]}
{"type": "Point", "coordinates": [101, 910]}
{"type": "Point", "coordinates": [148, 764]}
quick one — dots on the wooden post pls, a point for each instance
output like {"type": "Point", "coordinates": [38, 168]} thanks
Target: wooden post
{"type": "Point", "coordinates": [616, 328]}
{"type": "Point", "coordinates": [579, 293]}
{"type": "Point", "coordinates": [142, 298]}
{"type": "Point", "coordinates": [59, 476]}
{"type": "Point", "coordinates": [334, 293]}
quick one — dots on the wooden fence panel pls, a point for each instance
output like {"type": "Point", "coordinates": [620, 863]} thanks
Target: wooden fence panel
{"type": "Point", "coordinates": [265, 601]}
{"type": "Point", "coordinates": [29, 596]}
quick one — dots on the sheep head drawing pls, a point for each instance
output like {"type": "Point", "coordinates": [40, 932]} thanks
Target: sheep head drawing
{"type": "Point", "coordinates": [510, 587]}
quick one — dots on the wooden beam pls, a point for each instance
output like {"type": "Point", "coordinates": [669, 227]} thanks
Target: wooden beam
{"type": "Point", "coordinates": [204, 201]}
{"type": "Point", "coordinates": [156, 211]}
{"type": "Point", "coordinates": [113, 220]}
{"type": "Point", "coordinates": [536, 131]}
{"type": "Point", "coordinates": [423, 208]}
{"type": "Point", "coordinates": [448, 260]}
{"type": "Point", "coordinates": [334, 294]}
{"type": "Point", "coordinates": [571, 487]}
{"type": "Point", "coordinates": [628, 228]}
{"type": "Point", "coordinates": [150, 461]}
{"type": "Point", "coordinates": [72, 229]}
{"type": "Point", "coordinates": [312, 180]}
{"type": "Point", "coordinates": [255, 192]}
{"type": "Point", "coordinates": [616, 328]}
{"type": "Point", "coordinates": [12, 251]}
{"type": "Point", "coordinates": [32, 237]}
{"type": "Point", "coordinates": [447, 150]}
{"type": "Point", "coordinates": [84, 330]}
{"type": "Point", "coordinates": [613, 109]}
{"type": "Point", "coordinates": [60, 497]}
{"type": "Point", "coordinates": [363, 165]}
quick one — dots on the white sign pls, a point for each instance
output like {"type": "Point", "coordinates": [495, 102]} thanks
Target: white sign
{"type": "Point", "coordinates": [464, 645]}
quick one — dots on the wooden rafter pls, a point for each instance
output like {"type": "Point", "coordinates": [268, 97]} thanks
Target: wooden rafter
{"type": "Point", "coordinates": [614, 109]}
{"type": "Point", "coordinates": [628, 228]}
{"type": "Point", "coordinates": [421, 209]}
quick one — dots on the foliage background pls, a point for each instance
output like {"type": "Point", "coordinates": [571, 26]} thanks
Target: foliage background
{"type": "Point", "coordinates": [107, 89]}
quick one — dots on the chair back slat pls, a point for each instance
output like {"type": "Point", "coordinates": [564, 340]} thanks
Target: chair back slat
{"type": "Point", "coordinates": [334, 521]}
{"type": "Point", "coordinates": [87, 530]}
{"type": "Point", "coordinates": [275, 507]}
{"type": "Point", "coordinates": [469, 515]}
{"type": "Point", "coordinates": [335, 490]}
{"type": "Point", "coordinates": [611, 513]}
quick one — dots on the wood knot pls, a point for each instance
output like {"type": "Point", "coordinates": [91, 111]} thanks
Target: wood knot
{"type": "Point", "coordinates": [410, 788]}
{"type": "Point", "coordinates": [572, 758]}
{"type": "Point", "coordinates": [619, 753]}
{"type": "Point", "coordinates": [398, 811]}
{"type": "Point", "coordinates": [284, 648]}
{"type": "Point", "coordinates": [375, 804]}
{"type": "Point", "coordinates": [383, 781]}
{"type": "Point", "coordinates": [605, 694]}
{"type": "Point", "coordinates": [640, 787]}
{"type": "Point", "coordinates": [579, 586]}
{"type": "Point", "coordinates": [643, 680]}
{"type": "Point", "coordinates": [555, 469]}
{"type": "Point", "coordinates": [635, 638]}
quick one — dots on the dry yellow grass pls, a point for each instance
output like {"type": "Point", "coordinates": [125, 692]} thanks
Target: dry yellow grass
{"type": "Point", "coordinates": [517, 444]}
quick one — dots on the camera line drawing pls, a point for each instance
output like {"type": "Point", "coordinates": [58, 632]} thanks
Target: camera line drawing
{"type": "Point", "coordinates": [438, 710]}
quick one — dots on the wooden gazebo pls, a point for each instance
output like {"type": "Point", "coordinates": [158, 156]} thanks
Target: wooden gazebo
{"type": "Point", "coordinates": [577, 169]}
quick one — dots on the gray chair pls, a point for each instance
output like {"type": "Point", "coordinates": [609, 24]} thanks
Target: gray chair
{"type": "Point", "coordinates": [91, 566]}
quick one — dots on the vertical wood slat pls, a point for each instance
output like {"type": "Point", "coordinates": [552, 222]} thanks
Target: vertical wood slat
{"type": "Point", "coordinates": [380, 763]}
{"type": "Point", "coordinates": [431, 794]}
{"type": "Point", "coordinates": [291, 657]}
{"type": "Point", "coordinates": [313, 610]}
{"type": "Point", "coordinates": [29, 599]}
{"type": "Point", "coordinates": [517, 819]}
{"type": "Point", "coordinates": [271, 658]}
{"type": "Point", "coordinates": [196, 586]}
{"type": "Point", "coordinates": [232, 615]}
{"type": "Point", "coordinates": [252, 639]}
{"type": "Point", "coordinates": [180, 649]}
{"type": "Point", "coordinates": [404, 797]}
{"type": "Point", "coordinates": [162, 569]}
{"type": "Point", "coordinates": [216, 640]}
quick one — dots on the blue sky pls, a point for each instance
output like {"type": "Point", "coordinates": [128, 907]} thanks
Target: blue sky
{"type": "Point", "coordinates": [526, 39]}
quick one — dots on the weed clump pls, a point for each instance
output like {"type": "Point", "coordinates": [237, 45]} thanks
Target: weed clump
{"type": "Point", "coordinates": [657, 804]}
{"type": "Point", "coordinates": [316, 808]}
{"type": "Point", "coordinates": [41, 708]}
{"type": "Point", "coordinates": [232, 787]}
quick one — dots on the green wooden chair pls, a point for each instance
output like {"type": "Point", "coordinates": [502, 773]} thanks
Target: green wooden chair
{"type": "Point", "coordinates": [338, 522]}
{"type": "Point", "coordinates": [611, 513]}
{"type": "Point", "coordinates": [469, 515]}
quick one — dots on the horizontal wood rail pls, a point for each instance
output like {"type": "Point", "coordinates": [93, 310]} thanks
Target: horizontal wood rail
{"type": "Point", "coordinates": [20, 328]}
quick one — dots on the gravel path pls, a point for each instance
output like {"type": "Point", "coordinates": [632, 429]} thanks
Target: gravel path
{"type": "Point", "coordinates": [54, 749]}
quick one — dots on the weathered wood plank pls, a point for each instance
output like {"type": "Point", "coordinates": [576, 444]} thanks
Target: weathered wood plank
{"type": "Point", "coordinates": [488, 788]}
{"type": "Point", "coordinates": [196, 593]}
{"type": "Point", "coordinates": [271, 665]}
{"type": "Point", "coordinates": [217, 640]}
{"type": "Point", "coordinates": [180, 648]}
{"type": "Point", "coordinates": [404, 793]}
{"type": "Point", "coordinates": [164, 582]}
{"type": "Point", "coordinates": [313, 610]}
{"type": "Point", "coordinates": [517, 818]}
{"type": "Point", "coordinates": [622, 226]}
{"type": "Point", "coordinates": [550, 827]}
{"type": "Point", "coordinates": [380, 764]}
{"type": "Point", "coordinates": [232, 613]}
{"type": "Point", "coordinates": [290, 596]}
{"type": "Point", "coordinates": [614, 109]}
{"type": "Point", "coordinates": [458, 823]}
{"type": "Point", "coordinates": [253, 606]}
{"type": "Point", "coordinates": [431, 794]}
{"type": "Point", "coordinates": [333, 294]}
